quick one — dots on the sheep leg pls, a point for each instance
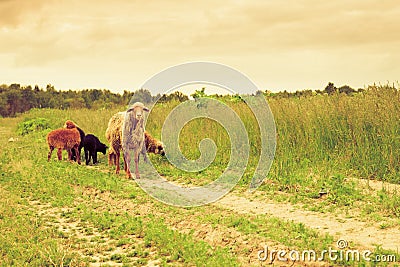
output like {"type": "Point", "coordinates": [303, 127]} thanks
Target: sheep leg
{"type": "Point", "coordinates": [144, 152]}
{"type": "Point", "coordinates": [94, 156]}
{"type": "Point", "coordinates": [87, 157]}
{"type": "Point", "coordinates": [59, 154]}
{"type": "Point", "coordinates": [50, 152]}
{"type": "Point", "coordinates": [71, 155]}
{"type": "Point", "coordinates": [146, 158]}
{"type": "Point", "coordinates": [125, 166]}
{"type": "Point", "coordinates": [111, 159]}
{"type": "Point", "coordinates": [137, 174]}
{"type": "Point", "coordinates": [78, 156]}
{"type": "Point", "coordinates": [117, 156]}
{"type": "Point", "coordinates": [80, 150]}
{"type": "Point", "coordinates": [115, 159]}
{"type": "Point", "coordinates": [127, 160]}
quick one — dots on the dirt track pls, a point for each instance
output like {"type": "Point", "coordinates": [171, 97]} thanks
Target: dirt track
{"type": "Point", "coordinates": [349, 229]}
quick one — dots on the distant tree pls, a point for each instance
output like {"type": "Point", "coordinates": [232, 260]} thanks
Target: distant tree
{"type": "Point", "coordinates": [199, 93]}
{"type": "Point", "coordinates": [95, 94]}
{"type": "Point", "coordinates": [346, 90]}
{"type": "Point", "coordinates": [13, 99]}
{"type": "Point", "coordinates": [14, 86]}
{"type": "Point", "coordinates": [297, 94]}
{"type": "Point", "coordinates": [268, 93]}
{"type": "Point", "coordinates": [74, 103]}
{"type": "Point", "coordinates": [284, 94]}
{"type": "Point", "coordinates": [50, 88]}
{"type": "Point", "coordinates": [175, 96]}
{"type": "Point", "coordinates": [3, 105]}
{"type": "Point", "coordinates": [236, 98]}
{"type": "Point", "coordinates": [155, 98]}
{"type": "Point", "coordinates": [141, 95]}
{"type": "Point", "coordinates": [307, 93]}
{"type": "Point", "coordinates": [3, 87]}
{"type": "Point", "coordinates": [259, 92]}
{"type": "Point", "coordinates": [179, 96]}
{"type": "Point", "coordinates": [330, 89]}
{"type": "Point", "coordinates": [28, 100]}
{"type": "Point", "coordinates": [163, 98]}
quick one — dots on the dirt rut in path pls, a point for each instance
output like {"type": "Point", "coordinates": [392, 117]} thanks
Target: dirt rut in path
{"type": "Point", "coordinates": [339, 227]}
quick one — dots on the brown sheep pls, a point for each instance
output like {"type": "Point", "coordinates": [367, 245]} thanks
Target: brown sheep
{"type": "Point", "coordinates": [153, 145]}
{"type": "Point", "coordinates": [114, 137]}
{"type": "Point", "coordinates": [67, 138]}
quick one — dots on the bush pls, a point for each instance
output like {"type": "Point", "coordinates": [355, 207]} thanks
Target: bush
{"type": "Point", "coordinates": [33, 125]}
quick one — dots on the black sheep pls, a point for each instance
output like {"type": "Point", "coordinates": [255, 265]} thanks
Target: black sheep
{"type": "Point", "coordinates": [92, 145]}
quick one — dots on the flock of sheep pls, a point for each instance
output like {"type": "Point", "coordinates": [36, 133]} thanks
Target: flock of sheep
{"type": "Point", "coordinates": [125, 132]}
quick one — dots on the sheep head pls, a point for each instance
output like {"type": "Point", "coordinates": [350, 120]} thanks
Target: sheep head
{"type": "Point", "coordinates": [160, 149]}
{"type": "Point", "coordinates": [136, 112]}
{"type": "Point", "coordinates": [137, 109]}
{"type": "Point", "coordinates": [69, 124]}
{"type": "Point", "coordinates": [102, 148]}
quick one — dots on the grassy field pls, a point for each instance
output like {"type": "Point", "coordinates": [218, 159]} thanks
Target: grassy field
{"type": "Point", "coordinates": [62, 214]}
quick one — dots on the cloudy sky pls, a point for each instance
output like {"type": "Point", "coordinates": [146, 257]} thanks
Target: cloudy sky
{"type": "Point", "coordinates": [292, 44]}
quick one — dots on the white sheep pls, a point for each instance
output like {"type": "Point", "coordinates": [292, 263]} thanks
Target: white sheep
{"type": "Point", "coordinates": [133, 136]}
{"type": "Point", "coordinates": [114, 137]}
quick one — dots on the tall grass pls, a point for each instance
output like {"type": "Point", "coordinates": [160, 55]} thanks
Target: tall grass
{"type": "Point", "coordinates": [358, 135]}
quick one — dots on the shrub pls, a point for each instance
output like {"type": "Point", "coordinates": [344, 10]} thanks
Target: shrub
{"type": "Point", "coordinates": [33, 125]}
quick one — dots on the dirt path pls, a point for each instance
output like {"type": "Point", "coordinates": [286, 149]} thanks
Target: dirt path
{"type": "Point", "coordinates": [360, 233]}
{"type": "Point", "coordinates": [215, 235]}
{"type": "Point", "coordinates": [373, 186]}
{"type": "Point", "coordinates": [349, 229]}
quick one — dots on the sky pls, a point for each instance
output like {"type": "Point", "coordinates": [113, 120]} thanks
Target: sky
{"type": "Point", "coordinates": [280, 45]}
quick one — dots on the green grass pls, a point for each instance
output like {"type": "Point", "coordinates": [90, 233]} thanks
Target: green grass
{"type": "Point", "coordinates": [25, 239]}
{"type": "Point", "coordinates": [322, 142]}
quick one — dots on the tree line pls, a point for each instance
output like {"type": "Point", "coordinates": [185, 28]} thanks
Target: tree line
{"type": "Point", "coordinates": [15, 98]}
{"type": "Point", "coordinates": [330, 89]}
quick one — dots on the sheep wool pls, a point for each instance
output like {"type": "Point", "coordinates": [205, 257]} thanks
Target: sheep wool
{"type": "Point", "coordinates": [64, 138]}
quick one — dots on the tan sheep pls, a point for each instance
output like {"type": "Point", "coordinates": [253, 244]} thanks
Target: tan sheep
{"type": "Point", "coordinates": [114, 137]}
{"type": "Point", "coordinates": [67, 138]}
{"type": "Point", "coordinates": [133, 136]}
